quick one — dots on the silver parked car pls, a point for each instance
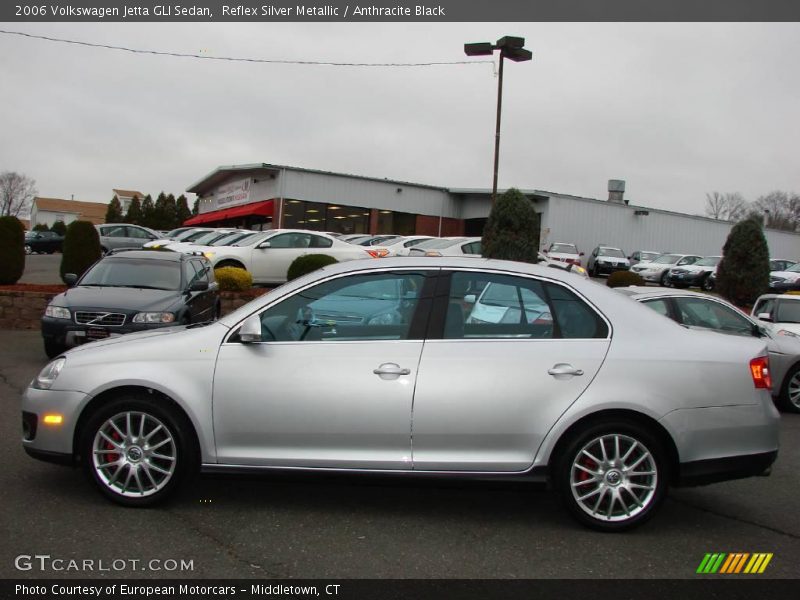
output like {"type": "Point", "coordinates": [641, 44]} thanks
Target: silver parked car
{"type": "Point", "coordinates": [124, 235]}
{"type": "Point", "coordinates": [702, 311]}
{"type": "Point", "coordinates": [330, 371]}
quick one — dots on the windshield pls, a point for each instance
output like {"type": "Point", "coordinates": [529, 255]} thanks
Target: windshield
{"type": "Point", "coordinates": [172, 234]}
{"type": "Point", "coordinates": [253, 239]}
{"type": "Point", "coordinates": [564, 248]}
{"type": "Point", "coordinates": [439, 243]}
{"type": "Point", "coordinates": [649, 255]}
{"type": "Point", "coordinates": [788, 311]}
{"type": "Point", "coordinates": [708, 261]}
{"type": "Point", "coordinates": [229, 238]}
{"type": "Point", "coordinates": [209, 237]}
{"type": "Point", "coordinates": [667, 259]}
{"type": "Point", "coordinates": [153, 274]}
{"type": "Point", "coordinates": [192, 234]}
{"type": "Point", "coordinates": [615, 252]}
{"type": "Point", "coordinates": [795, 268]}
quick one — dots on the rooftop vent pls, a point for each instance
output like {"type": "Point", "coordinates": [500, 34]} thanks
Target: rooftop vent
{"type": "Point", "coordinates": [616, 190]}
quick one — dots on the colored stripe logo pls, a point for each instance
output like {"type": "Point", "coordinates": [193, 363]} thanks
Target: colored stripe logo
{"type": "Point", "coordinates": [734, 563]}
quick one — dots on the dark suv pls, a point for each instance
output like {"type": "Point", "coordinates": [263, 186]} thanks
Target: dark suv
{"type": "Point", "coordinates": [131, 291]}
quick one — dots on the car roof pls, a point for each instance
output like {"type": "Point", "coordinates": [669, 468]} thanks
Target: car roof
{"type": "Point", "coordinates": [781, 296]}
{"type": "Point", "coordinates": [640, 291]}
{"type": "Point", "coordinates": [164, 255]}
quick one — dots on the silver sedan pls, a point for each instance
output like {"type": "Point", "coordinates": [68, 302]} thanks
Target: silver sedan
{"type": "Point", "coordinates": [380, 367]}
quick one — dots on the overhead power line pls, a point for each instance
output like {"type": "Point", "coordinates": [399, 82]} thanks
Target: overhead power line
{"type": "Point", "coordinates": [247, 60]}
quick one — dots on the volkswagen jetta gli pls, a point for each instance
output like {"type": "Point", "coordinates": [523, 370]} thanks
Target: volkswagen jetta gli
{"type": "Point", "coordinates": [378, 366]}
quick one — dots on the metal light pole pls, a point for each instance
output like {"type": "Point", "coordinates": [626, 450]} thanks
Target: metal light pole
{"type": "Point", "coordinates": [511, 48]}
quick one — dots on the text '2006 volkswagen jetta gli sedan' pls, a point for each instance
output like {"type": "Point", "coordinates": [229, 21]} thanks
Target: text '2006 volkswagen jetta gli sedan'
{"type": "Point", "coordinates": [382, 366]}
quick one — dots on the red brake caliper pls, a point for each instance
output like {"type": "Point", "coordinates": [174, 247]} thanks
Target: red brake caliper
{"type": "Point", "coordinates": [589, 464]}
{"type": "Point", "coordinates": [109, 446]}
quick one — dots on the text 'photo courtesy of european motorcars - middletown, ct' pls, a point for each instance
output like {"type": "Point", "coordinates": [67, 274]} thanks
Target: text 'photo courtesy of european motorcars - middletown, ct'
{"type": "Point", "coordinates": [484, 369]}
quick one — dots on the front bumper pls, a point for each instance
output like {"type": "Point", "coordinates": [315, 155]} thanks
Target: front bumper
{"type": "Point", "coordinates": [610, 268]}
{"type": "Point", "coordinates": [653, 276]}
{"type": "Point", "coordinates": [69, 334]}
{"type": "Point", "coordinates": [40, 440]}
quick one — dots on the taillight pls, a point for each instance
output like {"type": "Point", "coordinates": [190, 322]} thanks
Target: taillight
{"type": "Point", "coordinates": [433, 253]}
{"type": "Point", "coordinates": [759, 369]}
{"type": "Point", "coordinates": [377, 252]}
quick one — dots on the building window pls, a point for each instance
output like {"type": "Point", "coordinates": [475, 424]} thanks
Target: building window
{"type": "Point", "coordinates": [317, 216]}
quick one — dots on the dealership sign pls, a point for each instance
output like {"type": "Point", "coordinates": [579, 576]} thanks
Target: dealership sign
{"type": "Point", "coordinates": [233, 193]}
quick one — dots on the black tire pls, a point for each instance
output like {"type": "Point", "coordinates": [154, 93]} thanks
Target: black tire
{"type": "Point", "coordinates": [172, 440]}
{"type": "Point", "coordinates": [595, 271]}
{"type": "Point", "coordinates": [707, 284]}
{"type": "Point", "coordinates": [28, 249]}
{"type": "Point", "coordinates": [573, 465]}
{"type": "Point", "coordinates": [52, 348]}
{"type": "Point", "coordinates": [664, 279]}
{"type": "Point", "coordinates": [229, 263]}
{"type": "Point", "coordinates": [217, 311]}
{"type": "Point", "coordinates": [789, 399]}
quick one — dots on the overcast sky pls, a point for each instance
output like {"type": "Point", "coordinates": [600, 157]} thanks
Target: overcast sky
{"type": "Point", "coordinates": [676, 110]}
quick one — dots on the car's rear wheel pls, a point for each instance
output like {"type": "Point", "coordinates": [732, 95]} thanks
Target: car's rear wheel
{"type": "Point", "coordinates": [665, 280]}
{"type": "Point", "coordinates": [790, 393]}
{"type": "Point", "coordinates": [28, 249]}
{"type": "Point", "coordinates": [137, 451]}
{"type": "Point", "coordinates": [707, 284]}
{"type": "Point", "coordinates": [612, 475]}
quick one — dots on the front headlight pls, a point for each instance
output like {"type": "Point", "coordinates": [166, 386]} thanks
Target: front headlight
{"type": "Point", "coordinates": [209, 255]}
{"type": "Point", "coordinates": [57, 312]}
{"type": "Point", "coordinates": [788, 333]}
{"type": "Point", "coordinates": [389, 318]}
{"type": "Point", "coordinates": [45, 379]}
{"type": "Point", "coordinates": [578, 269]}
{"type": "Point", "coordinates": [154, 317]}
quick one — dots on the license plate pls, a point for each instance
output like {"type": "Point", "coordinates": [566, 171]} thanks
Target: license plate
{"type": "Point", "coordinates": [95, 333]}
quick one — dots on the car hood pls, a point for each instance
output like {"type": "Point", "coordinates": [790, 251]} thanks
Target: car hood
{"type": "Point", "coordinates": [785, 274]}
{"type": "Point", "coordinates": [116, 298]}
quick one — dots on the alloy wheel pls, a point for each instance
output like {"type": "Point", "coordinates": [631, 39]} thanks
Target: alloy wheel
{"type": "Point", "coordinates": [613, 477]}
{"type": "Point", "coordinates": [134, 454]}
{"type": "Point", "coordinates": [793, 390]}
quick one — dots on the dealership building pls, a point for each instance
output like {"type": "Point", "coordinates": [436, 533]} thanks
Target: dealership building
{"type": "Point", "coordinates": [264, 196]}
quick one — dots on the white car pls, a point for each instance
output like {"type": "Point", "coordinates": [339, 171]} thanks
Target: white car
{"type": "Point", "coordinates": [564, 252]}
{"type": "Point", "coordinates": [394, 247]}
{"type": "Point", "coordinates": [208, 239]}
{"type": "Point", "coordinates": [464, 246]}
{"type": "Point", "coordinates": [782, 310]}
{"type": "Point", "coordinates": [657, 270]}
{"type": "Point", "coordinates": [607, 259]}
{"type": "Point", "coordinates": [267, 256]}
{"type": "Point", "coordinates": [643, 256]}
{"type": "Point", "coordinates": [187, 235]}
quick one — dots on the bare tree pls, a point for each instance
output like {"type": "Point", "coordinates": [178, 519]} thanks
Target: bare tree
{"type": "Point", "coordinates": [778, 209]}
{"type": "Point", "coordinates": [726, 207]}
{"type": "Point", "coordinates": [16, 194]}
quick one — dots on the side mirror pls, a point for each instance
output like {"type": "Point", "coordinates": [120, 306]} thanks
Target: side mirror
{"type": "Point", "coordinates": [70, 279]}
{"type": "Point", "coordinates": [764, 317]}
{"type": "Point", "coordinates": [198, 286]}
{"type": "Point", "coordinates": [263, 245]}
{"type": "Point", "coordinates": [470, 299]}
{"type": "Point", "coordinates": [580, 254]}
{"type": "Point", "coordinates": [250, 331]}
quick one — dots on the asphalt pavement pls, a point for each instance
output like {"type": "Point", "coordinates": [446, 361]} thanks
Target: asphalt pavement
{"type": "Point", "coordinates": [323, 527]}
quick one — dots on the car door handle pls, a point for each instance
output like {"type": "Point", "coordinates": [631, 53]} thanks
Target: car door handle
{"type": "Point", "coordinates": [563, 369]}
{"type": "Point", "coordinates": [391, 371]}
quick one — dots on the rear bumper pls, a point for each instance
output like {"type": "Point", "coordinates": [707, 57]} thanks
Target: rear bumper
{"type": "Point", "coordinates": [702, 472]}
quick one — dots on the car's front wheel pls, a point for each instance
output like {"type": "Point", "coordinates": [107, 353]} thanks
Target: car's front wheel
{"type": "Point", "coordinates": [136, 450]}
{"type": "Point", "coordinates": [28, 249]}
{"type": "Point", "coordinates": [707, 284]}
{"type": "Point", "coordinates": [612, 475]}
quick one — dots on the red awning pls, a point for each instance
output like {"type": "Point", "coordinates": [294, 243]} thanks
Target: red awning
{"type": "Point", "coordinates": [265, 208]}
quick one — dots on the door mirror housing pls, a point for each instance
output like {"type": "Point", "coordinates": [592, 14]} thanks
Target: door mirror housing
{"type": "Point", "coordinates": [470, 299]}
{"type": "Point", "coordinates": [198, 286]}
{"type": "Point", "coordinates": [764, 316]}
{"type": "Point", "coordinates": [250, 331]}
{"type": "Point", "coordinates": [70, 279]}
{"type": "Point", "coordinates": [264, 245]}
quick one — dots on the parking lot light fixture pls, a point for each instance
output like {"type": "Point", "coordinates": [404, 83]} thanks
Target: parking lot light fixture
{"type": "Point", "coordinates": [510, 47]}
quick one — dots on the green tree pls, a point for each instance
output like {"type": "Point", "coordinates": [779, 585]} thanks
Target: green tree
{"type": "Point", "coordinates": [81, 248]}
{"type": "Point", "coordinates": [12, 249]}
{"type": "Point", "coordinates": [182, 212]}
{"type": "Point", "coordinates": [148, 211]}
{"type": "Point", "coordinates": [59, 227]}
{"type": "Point", "coordinates": [512, 229]}
{"type": "Point", "coordinates": [743, 272]}
{"type": "Point", "coordinates": [170, 213]}
{"type": "Point", "coordinates": [134, 214]}
{"type": "Point", "coordinates": [196, 207]}
{"type": "Point", "coordinates": [159, 219]}
{"type": "Point", "coordinates": [114, 211]}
